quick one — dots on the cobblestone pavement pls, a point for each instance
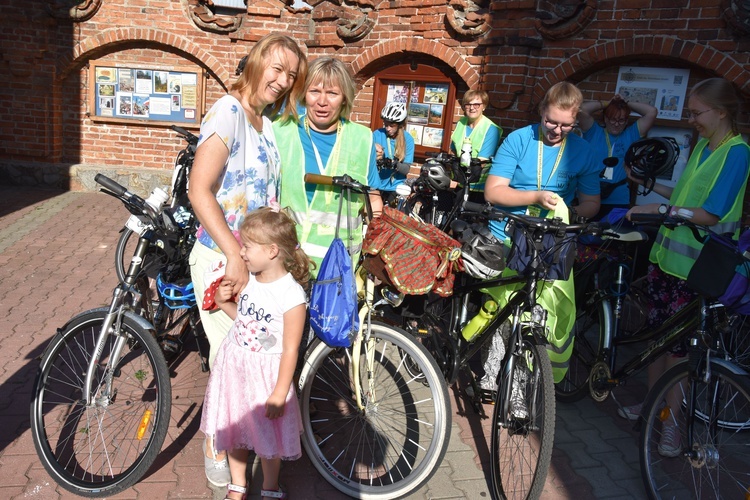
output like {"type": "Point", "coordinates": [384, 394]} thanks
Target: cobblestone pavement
{"type": "Point", "coordinates": [56, 256]}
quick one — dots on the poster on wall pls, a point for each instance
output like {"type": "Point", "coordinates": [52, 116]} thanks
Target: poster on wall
{"type": "Point", "coordinates": [432, 137]}
{"type": "Point", "coordinates": [150, 94]}
{"type": "Point", "coordinates": [436, 94]}
{"type": "Point", "coordinates": [416, 132]}
{"type": "Point", "coordinates": [436, 114]}
{"type": "Point", "coordinates": [418, 113]}
{"type": "Point", "coordinates": [663, 88]}
{"type": "Point", "coordinates": [397, 93]}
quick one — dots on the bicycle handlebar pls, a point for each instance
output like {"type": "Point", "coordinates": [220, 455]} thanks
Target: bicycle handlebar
{"type": "Point", "coordinates": [339, 180]}
{"type": "Point", "coordinates": [543, 224]}
{"type": "Point", "coordinates": [191, 138]}
{"type": "Point", "coordinates": [118, 189]}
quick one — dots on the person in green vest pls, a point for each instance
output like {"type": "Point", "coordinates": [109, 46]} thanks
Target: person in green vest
{"type": "Point", "coordinates": [477, 130]}
{"type": "Point", "coordinates": [324, 141]}
{"type": "Point", "coordinates": [712, 187]}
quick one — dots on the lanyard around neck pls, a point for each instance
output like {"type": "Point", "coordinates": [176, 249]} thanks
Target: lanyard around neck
{"type": "Point", "coordinates": [336, 146]}
{"type": "Point", "coordinates": [540, 160]}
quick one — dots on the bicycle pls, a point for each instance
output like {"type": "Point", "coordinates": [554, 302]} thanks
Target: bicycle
{"type": "Point", "coordinates": [166, 260]}
{"type": "Point", "coordinates": [370, 427]}
{"type": "Point", "coordinates": [599, 334]}
{"type": "Point", "coordinates": [523, 420]}
{"type": "Point", "coordinates": [704, 401]}
{"type": "Point", "coordinates": [102, 397]}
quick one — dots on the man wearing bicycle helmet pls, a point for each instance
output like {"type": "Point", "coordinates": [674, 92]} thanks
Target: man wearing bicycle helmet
{"type": "Point", "coordinates": [479, 131]}
{"type": "Point", "coordinates": [394, 148]}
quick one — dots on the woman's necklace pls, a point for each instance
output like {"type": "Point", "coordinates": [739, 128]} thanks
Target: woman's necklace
{"type": "Point", "coordinates": [729, 135]}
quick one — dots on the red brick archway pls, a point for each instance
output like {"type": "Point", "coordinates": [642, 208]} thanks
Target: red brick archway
{"type": "Point", "coordinates": [580, 65]}
{"type": "Point", "coordinates": [454, 59]}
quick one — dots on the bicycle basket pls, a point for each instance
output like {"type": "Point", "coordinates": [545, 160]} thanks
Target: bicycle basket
{"type": "Point", "coordinates": [411, 256]}
{"type": "Point", "coordinates": [178, 295]}
{"type": "Point", "coordinates": [720, 272]}
{"type": "Point", "coordinates": [557, 253]}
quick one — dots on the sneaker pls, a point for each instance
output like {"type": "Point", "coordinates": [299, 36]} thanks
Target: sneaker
{"type": "Point", "coordinates": [632, 412]}
{"type": "Point", "coordinates": [217, 471]}
{"type": "Point", "coordinates": [669, 444]}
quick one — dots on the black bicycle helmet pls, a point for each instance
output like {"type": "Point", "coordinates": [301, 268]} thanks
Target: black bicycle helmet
{"type": "Point", "coordinates": [436, 175]}
{"type": "Point", "coordinates": [483, 254]}
{"type": "Point", "coordinates": [650, 157]}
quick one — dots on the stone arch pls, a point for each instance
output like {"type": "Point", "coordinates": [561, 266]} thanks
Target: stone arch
{"type": "Point", "coordinates": [580, 65]}
{"type": "Point", "coordinates": [115, 38]}
{"type": "Point", "coordinates": [417, 45]}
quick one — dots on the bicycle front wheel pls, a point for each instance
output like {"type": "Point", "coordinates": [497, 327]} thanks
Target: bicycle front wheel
{"type": "Point", "coordinates": [589, 331]}
{"type": "Point", "coordinates": [523, 426]}
{"type": "Point", "coordinates": [713, 461]}
{"type": "Point", "coordinates": [389, 441]}
{"type": "Point", "coordinates": [101, 448]}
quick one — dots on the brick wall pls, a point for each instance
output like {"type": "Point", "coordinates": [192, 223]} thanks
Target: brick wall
{"type": "Point", "coordinates": [515, 49]}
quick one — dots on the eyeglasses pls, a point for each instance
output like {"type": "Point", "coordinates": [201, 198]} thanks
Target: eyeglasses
{"type": "Point", "coordinates": [563, 126]}
{"type": "Point", "coordinates": [617, 122]}
{"type": "Point", "coordinates": [473, 105]}
{"type": "Point", "coordinates": [696, 114]}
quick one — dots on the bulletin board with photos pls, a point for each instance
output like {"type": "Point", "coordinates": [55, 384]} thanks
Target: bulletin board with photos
{"type": "Point", "coordinates": [129, 93]}
{"type": "Point", "coordinates": [429, 97]}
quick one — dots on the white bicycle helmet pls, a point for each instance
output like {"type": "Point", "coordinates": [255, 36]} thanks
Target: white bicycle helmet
{"type": "Point", "coordinates": [483, 254]}
{"type": "Point", "coordinates": [394, 112]}
{"type": "Point", "coordinates": [437, 177]}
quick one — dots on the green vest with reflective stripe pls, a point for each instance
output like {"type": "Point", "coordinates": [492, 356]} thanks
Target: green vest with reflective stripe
{"type": "Point", "coordinates": [316, 221]}
{"type": "Point", "coordinates": [478, 132]}
{"type": "Point", "coordinates": [675, 251]}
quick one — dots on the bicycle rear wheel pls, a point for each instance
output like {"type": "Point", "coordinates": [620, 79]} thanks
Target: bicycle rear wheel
{"type": "Point", "coordinates": [105, 447]}
{"type": "Point", "coordinates": [389, 443]}
{"type": "Point", "coordinates": [715, 462]}
{"type": "Point", "coordinates": [523, 426]}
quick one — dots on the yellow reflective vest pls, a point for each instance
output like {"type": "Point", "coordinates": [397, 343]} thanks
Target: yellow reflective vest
{"type": "Point", "coordinates": [316, 220]}
{"type": "Point", "coordinates": [675, 251]}
{"type": "Point", "coordinates": [478, 132]}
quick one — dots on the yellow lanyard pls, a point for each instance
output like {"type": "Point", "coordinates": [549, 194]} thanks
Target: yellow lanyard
{"type": "Point", "coordinates": [540, 161]}
{"type": "Point", "coordinates": [609, 146]}
{"type": "Point", "coordinates": [334, 156]}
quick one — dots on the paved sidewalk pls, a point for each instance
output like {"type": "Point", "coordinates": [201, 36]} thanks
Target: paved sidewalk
{"type": "Point", "coordinates": [56, 256]}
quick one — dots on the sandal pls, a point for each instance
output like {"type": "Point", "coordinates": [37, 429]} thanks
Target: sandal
{"type": "Point", "coordinates": [236, 489]}
{"type": "Point", "coordinates": [274, 494]}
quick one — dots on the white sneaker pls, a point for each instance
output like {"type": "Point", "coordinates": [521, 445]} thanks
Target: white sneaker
{"type": "Point", "coordinates": [632, 412]}
{"type": "Point", "coordinates": [217, 471]}
{"type": "Point", "coordinates": [670, 442]}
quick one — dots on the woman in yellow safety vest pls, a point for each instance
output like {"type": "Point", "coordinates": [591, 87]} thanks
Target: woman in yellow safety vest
{"type": "Point", "coordinates": [324, 141]}
{"type": "Point", "coordinates": [712, 187]}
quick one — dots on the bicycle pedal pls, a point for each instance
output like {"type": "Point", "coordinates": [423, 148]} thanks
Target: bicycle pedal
{"type": "Point", "coordinates": [487, 396]}
{"type": "Point", "coordinates": [170, 347]}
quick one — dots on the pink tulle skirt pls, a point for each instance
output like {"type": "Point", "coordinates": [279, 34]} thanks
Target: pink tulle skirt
{"type": "Point", "coordinates": [234, 409]}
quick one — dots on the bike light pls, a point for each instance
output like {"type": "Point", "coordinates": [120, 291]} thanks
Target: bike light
{"type": "Point", "coordinates": [665, 413]}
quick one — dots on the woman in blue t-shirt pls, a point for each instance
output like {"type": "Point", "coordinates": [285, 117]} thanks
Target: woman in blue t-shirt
{"type": "Point", "coordinates": [393, 143]}
{"type": "Point", "coordinates": [612, 140]}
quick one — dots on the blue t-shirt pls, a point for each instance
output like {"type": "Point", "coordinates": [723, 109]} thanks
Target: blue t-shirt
{"type": "Point", "coordinates": [732, 177]}
{"type": "Point", "coordinates": [325, 142]}
{"type": "Point", "coordinates": [618, 146]}
{"type": "Point", "coordinates": [517, 159]}
{"type": "Point", "coordinates": [390, 178]}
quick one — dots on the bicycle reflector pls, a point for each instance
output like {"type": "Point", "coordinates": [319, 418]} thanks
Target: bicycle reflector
{"type": "Point", "coordinates": [179, 295]}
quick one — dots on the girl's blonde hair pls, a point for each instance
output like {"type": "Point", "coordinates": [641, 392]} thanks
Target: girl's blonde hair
{"type": "Point", "coordinates": [719, 93]}
{"type": "Point", "coordinates": [251, 76]}
{"type": "Point", "coordinates": [563, 95]}
{"type": "Point", "coordinates": [266, 226]}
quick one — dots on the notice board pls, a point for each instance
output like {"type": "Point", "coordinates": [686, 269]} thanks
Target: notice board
{"type": "Point", "coordinates": [132, 93]}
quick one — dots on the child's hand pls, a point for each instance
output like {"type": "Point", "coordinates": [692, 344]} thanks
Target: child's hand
{"type": "Point", "coordinates": [275, 406]}
{"type": "Point", "coordinates": [225, 292]}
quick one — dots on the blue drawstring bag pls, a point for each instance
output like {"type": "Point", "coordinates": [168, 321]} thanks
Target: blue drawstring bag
{"type": "Point", "coordinates": [333, 301]}
{"type": "Point", "coordinates": [737, 294]}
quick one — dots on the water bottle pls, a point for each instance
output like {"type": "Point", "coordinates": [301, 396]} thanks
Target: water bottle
{"type": "Point", "coordinates": [478, 323]}
{"type": "Point", "coordinates": [156, 200]}
{"type": "Point", "coordinates": [466, 153]}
